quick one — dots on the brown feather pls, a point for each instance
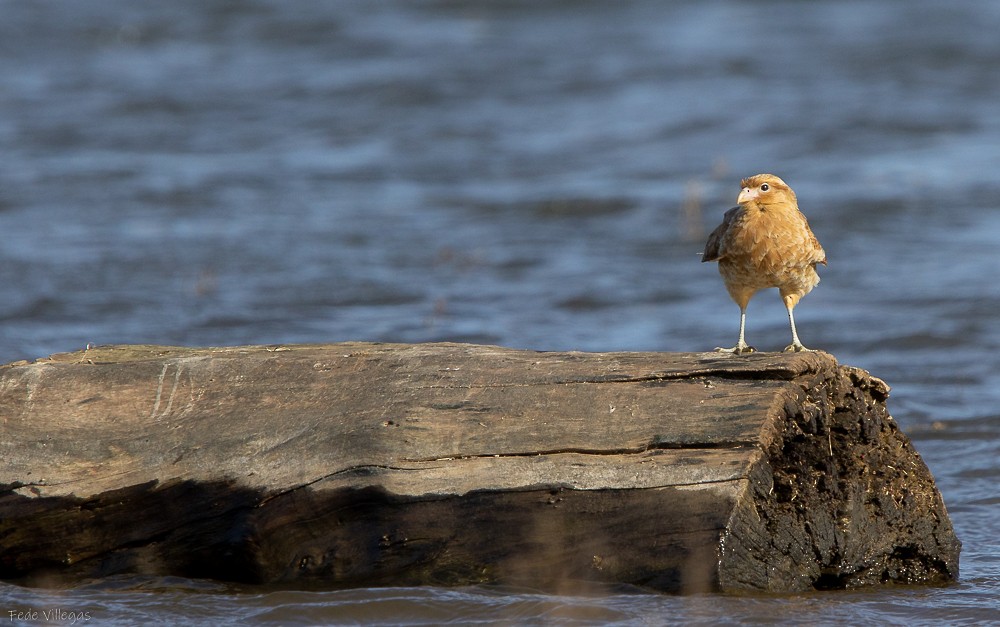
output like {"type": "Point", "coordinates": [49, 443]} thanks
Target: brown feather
{"type": "Point", "coordinates": [715, 239]}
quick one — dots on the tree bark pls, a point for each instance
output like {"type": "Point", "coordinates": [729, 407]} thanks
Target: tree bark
{"type": "Point", "coordinates": [363, 464]}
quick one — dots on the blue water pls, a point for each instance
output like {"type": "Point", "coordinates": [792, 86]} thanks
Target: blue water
{"type": "Point", "coordinates": [535, 175]}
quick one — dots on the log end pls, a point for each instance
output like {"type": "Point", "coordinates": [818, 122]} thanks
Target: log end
{"type": "Point", "coordinates": [841, 499]}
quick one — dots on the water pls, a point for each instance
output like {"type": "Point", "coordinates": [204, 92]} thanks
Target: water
{"type": "Point", "coordinates": [516, 173]}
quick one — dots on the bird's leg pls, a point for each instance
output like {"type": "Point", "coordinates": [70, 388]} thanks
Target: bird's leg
{"type": "Point", "coordinates": [741, 347]}
{"type": "Point", "coordinates": [796, 346]}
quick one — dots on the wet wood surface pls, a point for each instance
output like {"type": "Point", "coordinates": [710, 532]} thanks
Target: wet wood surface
{"type": "Point", "coordinates": [362, 464]}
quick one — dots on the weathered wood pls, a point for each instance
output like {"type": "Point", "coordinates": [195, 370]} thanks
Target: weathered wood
{"type": "Point", "coordinates": [377, 464]}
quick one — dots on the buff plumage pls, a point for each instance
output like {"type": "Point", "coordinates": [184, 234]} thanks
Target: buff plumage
{"type": "Point", "coordinates": [762, 243]}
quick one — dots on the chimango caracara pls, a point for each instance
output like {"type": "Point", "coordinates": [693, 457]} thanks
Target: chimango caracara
{"type": "Point", "coordinates": [765, 242]}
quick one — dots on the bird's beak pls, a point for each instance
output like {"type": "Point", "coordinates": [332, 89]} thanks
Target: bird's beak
{"type": "Point", "coordinates": [746, 195]}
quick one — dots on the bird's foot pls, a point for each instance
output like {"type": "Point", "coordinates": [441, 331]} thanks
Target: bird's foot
{"type": "Point", "coordinates": [739, 349]}
{"type": "Point", "coordinates": [797, 347]}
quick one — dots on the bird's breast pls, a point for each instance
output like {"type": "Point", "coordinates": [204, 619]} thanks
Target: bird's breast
{"type": "Point", "coordinates": [769, 246]}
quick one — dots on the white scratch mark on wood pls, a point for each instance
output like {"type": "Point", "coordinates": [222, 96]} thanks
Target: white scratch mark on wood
{"type": "Point", "coordinates": [173, 389]}
{"type": "Point", "coordinates": [159, 390]}
{"type": "Point", "coordinates": [155, 413]}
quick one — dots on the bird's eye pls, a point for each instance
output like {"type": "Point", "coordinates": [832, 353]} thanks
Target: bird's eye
{"type": "Point", "coordinates": [764, 187]}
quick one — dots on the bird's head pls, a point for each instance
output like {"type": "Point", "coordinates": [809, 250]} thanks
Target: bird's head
{"type": "Point", "coordinates": [765, 189]}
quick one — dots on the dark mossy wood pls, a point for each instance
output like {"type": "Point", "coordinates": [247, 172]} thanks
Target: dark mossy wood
{"type": "Point", "coordinates": [364, 464]}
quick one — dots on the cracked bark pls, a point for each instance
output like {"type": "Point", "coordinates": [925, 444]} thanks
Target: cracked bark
{"type": "Point", "coordinates": [373, 464]}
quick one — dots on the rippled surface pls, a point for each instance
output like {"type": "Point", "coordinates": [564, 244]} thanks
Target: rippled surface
{"type": "Point", "coordinates": [537, 175]}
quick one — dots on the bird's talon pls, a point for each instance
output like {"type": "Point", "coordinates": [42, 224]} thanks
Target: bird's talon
{"type": "Point", "coordinates": [737, 350]}
{"type": "Point", "coordinates": [797, 348]}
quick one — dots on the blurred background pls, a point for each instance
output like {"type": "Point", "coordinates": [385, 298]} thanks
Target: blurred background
{"type": "Point", "coordinates": [538, 175]}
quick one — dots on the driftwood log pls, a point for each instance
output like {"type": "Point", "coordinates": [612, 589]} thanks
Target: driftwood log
{"type": "Point", "coordinates": [364, 464]}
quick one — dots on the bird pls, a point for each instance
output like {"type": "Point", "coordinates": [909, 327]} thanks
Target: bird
{"type": "Point", "coordinates": [765, 242]}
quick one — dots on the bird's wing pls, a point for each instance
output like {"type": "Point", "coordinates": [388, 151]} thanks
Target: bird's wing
{"type": "Point", "coordinates": [816, 252]}
{"type": "Point", "coordinates": [713, 246]}
{"type": "Point", "coordinates": [820, 253]}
